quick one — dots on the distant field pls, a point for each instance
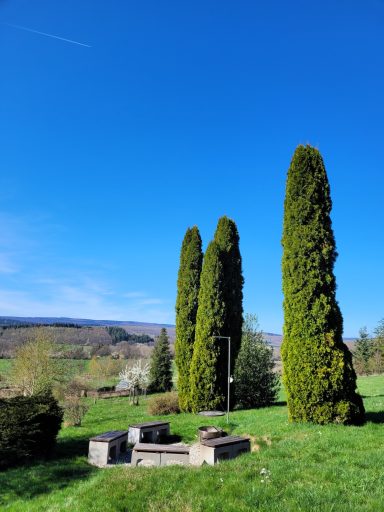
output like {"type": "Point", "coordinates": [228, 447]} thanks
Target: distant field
{"type": "Point", "coordinates": [5, 365]}
{"type": "Point", "coordinates": [309, 467]}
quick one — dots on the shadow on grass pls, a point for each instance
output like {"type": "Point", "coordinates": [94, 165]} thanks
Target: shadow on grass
{"type": "Point", "coordinates": [63, 469]}
{"type": "Point", "coordinates": [371, 396]}
{"type": "Point", "coordinates": [375, 417]}
{"type": "Point", "coordinates": [72, 447]}
{"type": "Point", "coordinates": [279, 404]}
{"type": "Point", "coordinates": [30, 481]}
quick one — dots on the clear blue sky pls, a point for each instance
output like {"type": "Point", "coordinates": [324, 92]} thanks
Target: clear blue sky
{"type": "Point", "coordinates": [175, 114]}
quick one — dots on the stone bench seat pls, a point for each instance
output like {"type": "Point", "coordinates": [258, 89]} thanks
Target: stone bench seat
{"type": "Point", "coordinates": [107, 447]}
{"type": "Point", "coordinates": [159, 454]}
{"type": "Point", "coordinates": [148, 432]}
{"type": "Point", "coordinates": [223, 448]}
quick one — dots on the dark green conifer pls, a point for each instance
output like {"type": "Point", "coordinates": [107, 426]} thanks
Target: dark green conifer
{"type": "Point", "coordinates": [160, 377]}
{"type": "Point", "coordinates": [363, 351]}
{"type": "Point", "coordinates": [257, 384]}
{"type": "Point", "coordinates": [318, 374]}
{"type": "Point", "coordinates": [227, 239]}
{"type": "Point", "coordinates": [208, 363]}
{"type": "Point", "coordinates": [188, 285]}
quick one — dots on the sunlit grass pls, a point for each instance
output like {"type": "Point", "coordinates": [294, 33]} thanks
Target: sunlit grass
{"type": "Point", "coordinates": [309, 467]}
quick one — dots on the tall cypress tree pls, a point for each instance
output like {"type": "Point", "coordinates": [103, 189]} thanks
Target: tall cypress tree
{"type": "Point", "coordinates": [188, 285]}
{"type": "Point", "coordinates": [318, 374]}
{"type": "Point", "coordinates": [160, 377]}
{"type": "Point", "coordinates": [227, 239]}
{"type": "Point", "coordinates": [208, 360]}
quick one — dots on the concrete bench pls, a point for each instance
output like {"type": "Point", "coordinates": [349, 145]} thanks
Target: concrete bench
{"type": "Point", "coordinates": [148, 432]}
{"type": "Point", "coordinates": [223, 448]}
{"type": "Point", "coordinates": [107, 447]}
{"type": "Point", "coordinates": [159, 454]}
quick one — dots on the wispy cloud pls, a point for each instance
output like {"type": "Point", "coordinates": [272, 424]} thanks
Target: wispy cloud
{"type": "Point", "coordinates": [37, 279]}
{"type": "Point", "coordinates": [53, 36]}
{"type": "Point", "coordinates": [133, 295]}
{"type": "Point", "coordinates": [7, 265]}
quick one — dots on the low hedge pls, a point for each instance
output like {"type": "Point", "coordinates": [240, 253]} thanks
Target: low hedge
{"type": "Point", "coordinates": [28, 428]}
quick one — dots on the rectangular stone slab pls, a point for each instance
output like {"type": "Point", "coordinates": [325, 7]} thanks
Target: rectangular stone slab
{"type": "Point", "coordinates": [112, 435]}
{"type": "Point", "coordinates": [150, 424]}
{"type": "Point", "coordinates": [223, 441]}
{"type": "Point", "coordinates": [160, 448]}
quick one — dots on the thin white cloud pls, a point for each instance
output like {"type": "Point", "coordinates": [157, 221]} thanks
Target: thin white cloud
{"type": "Point", "coordinates": [150, 302]}
{"type": "Point", "coordinates": [133, 295]}
{"type": "Point", "coordinates": [53, 36]}
{"type": "Point", "coordinates": [7, 264]}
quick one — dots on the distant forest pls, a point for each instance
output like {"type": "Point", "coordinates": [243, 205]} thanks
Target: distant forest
{"type": "Point", "coordinates": [73, 338]}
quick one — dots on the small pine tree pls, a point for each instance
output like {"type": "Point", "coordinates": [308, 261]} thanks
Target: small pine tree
{"type": "Point", "coordinates": [378, 345]}
{"type": "Point", "coordinates": [160, 376]}
{"type": "Point", "coordinates": [318, 374]}
{"type": "Point", "coordinates": [208, 364]}
{"type": "Point", "coordinates": [363, 352]}
{"type": "Point", "coordinates": [188, 285]}
{"type": "Point", "coordinates": [256, 384]}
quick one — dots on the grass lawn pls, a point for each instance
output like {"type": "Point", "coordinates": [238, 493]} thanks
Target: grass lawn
{"type": "Point", "coordinates": [309, 467]}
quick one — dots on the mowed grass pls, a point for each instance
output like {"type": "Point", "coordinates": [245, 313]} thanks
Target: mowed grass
{"type": "Point", "coordinates": [308, 467]}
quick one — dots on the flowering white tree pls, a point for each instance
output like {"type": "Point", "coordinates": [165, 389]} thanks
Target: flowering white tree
{"type": "Point", "coordinates": [136, 379]}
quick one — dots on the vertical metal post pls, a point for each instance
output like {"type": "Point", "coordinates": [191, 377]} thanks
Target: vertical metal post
{"type": "Point", "coordinates": [229, 369]}
{"type": "Point", "coordinates": [229, 375]}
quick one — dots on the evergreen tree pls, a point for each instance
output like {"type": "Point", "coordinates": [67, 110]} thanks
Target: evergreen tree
{"type": "Point", "coordinates": [188, 285]}
{"type": "Point", "coordinates": [378, 345]}
{"type": "Point", "coordinates": [160, 376]}
{"type": "Point", "coordinates": [318, 374]}
{"type": "Point", "coordinates": [209, 358]}
{"type": "Point", "coordinates": [363, 352]}
{"type": "Point", "coordinates": [256, 382]}
{"type": "Point", "coordinates": [227, 239]}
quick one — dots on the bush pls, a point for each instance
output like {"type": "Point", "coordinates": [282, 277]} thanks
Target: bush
{"type": "Point", "coordinates": [28, 428]}
{"type": "Point", "coordinates": [75, 410]}
{"type": "Point", "coordinates": [167, 403]}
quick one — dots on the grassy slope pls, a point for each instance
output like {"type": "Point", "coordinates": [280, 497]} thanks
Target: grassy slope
{"type": "Point", "coordinates": [311, 467]}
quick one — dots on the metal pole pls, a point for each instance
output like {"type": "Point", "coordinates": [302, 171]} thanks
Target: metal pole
{"type": "Point", "coordinates": [229, 374]}
{"type": "Point", "coordinates": [229, 369]}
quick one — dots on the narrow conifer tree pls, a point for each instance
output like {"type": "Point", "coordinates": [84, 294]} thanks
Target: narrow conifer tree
{"type": "Point", "coordinates": [318, 374]}
{"type": "Point", "coordinates": [160, 377]}
{"type": "Point", "coordinates": [206, 390]}
{"type": "Point", "coordinates": [362, 354]}
{"type": "Point", "coordinates": [188, 285]}
{"type": "Point", "coordinates": [227, 239]}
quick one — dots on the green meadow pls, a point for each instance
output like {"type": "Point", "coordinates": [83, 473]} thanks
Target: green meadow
{"type": "Point", "coordinates": [293, 467]}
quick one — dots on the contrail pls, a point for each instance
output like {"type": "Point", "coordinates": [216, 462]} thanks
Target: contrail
{"type": "Point", "coordinates": [45, 34]}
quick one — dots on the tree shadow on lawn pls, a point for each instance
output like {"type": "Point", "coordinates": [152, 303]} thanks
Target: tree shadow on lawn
{"type": "Point", "coordinates": [72, 447]}
{"type": "Point", "coordinates": [29, 481]}
{"type": "Point", "coordinates": [375, 417]}
{"type": "Point", "coordinates": [280, 404]}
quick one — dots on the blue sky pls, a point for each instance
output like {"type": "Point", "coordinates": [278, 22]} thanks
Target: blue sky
{"type": "Point", "coordinates": [174, 114]}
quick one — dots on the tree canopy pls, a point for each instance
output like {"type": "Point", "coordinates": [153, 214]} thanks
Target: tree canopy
{"type": "Point", "coordinates": [318, 372]}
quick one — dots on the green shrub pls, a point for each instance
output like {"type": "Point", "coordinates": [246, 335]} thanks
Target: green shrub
{"type": "Point", "coordinates": [74, 410]}
{"type": "Point", "coordinates": [28, 428]}
{"type": "Point", "coordinates": [167, 403]}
